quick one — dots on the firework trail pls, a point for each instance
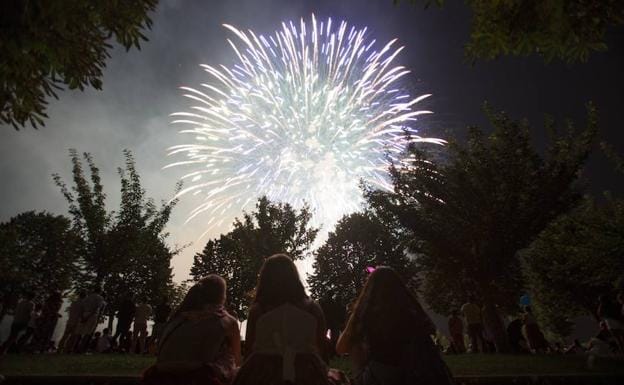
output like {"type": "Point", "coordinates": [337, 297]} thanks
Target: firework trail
{"type": "Point", "coordinates": [302, 117]}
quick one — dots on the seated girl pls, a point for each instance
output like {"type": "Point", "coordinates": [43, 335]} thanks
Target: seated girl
{"type": "Point", "coordinates": [285, 331]}
{"type": "Point", "coordinates": [388, 336]}
{"type": "Point", "coordinates": [201, 342]}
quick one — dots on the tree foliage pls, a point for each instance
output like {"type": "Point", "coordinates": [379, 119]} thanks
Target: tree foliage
{"type": "Point", "coordinates": [470, 214]}
{"type": "Point", "coordinates": [360, 240]}
{"type": "Point", "coordinates": [238, 255]}
{"type": "Point", "coordinates": [124, 252]}
{"type": "Point", "coordinates": [575, 260]}
{"type": "Point", "coordinates": [49, 45]}
{"type": "Point", "coordinates": [38, 252]}
{"type": "Point", "coordinates": [570, 30]}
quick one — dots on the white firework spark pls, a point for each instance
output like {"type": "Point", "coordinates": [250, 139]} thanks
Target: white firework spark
{"type": "Point", "coordinates": [302, 117]}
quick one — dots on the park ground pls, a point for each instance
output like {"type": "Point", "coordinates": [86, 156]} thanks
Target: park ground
{"type": "Point", "coordinates": [461, 365]}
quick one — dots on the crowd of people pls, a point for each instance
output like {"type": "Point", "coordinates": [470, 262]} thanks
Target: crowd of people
{"type": "Point", "coordinates": [470, 331]}
{"type": "Point", "coordinates": [33, 325]}
{"type": "Point", "coordinates": [388, 336]}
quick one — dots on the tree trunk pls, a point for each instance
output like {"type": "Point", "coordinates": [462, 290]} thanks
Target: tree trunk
{"type": "Point", "coordinates": [493, 323]}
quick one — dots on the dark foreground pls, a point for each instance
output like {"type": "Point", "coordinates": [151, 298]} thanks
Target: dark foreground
{"type": "Point", "coordinates": [114, 369]}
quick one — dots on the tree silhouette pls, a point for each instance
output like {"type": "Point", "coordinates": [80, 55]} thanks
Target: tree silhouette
{"type": "Point", "coordinates": [470, 214]}
{"type": "Point", "coordinates": [49, 45]}
{"type": "Point", "coordinates": [238, 255]}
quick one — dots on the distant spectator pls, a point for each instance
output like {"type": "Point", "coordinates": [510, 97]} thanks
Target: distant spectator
{"type": "Point", "coordinates": [611, 313]}
{"type": "Point", "coordinates": [21, 318]}
{"type": "Point", "coordinates": [456, 330]}
{"type": "Point", "coordinates": [139, 332]}
{"type": "Point", "coordinates": [46, 323]}
{"type": "Point", "coordinates": [104, 342]}
{"type": "Point", "coordinates": [532, 332]}
{"type": "Point", "coordinates": [516, 338]}
{"type": "Point", "coordinates": [92, 307]}
{"type": "Point", "coordinates": [125, 316]}
{"type": "Point", "coordinates": [30, 329]}
{"type": "Point", "coordinates": [472, 315]}
{"type": "Point", "coordinates": [161, 315]}
{"type": "Point", "coordinates": [74, 312]}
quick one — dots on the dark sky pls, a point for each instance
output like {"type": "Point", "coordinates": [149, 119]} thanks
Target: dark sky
{"type": "Point", "coordinates": [140, 91]}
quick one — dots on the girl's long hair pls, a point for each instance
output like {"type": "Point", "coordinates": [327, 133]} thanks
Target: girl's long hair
{"type": "Point", "coordinates": [207, 291]}
{"type": "Point", "coordinates": [278, 283]}
{"type": "Point", "coordinates": [387, 310]}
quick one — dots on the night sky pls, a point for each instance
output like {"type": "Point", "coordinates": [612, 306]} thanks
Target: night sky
{"type": "Point", "coordinates": [141, 90]}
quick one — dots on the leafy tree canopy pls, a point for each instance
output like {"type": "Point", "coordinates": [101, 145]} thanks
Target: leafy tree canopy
{"type": "Point", "coordinates": [470, 214]}
{"type": "Point", "coordinates": [360, 240]}
{"type": "Point", "coordinates": [238, 255]}
{"type": "Point", "coordinates": [38, 252]}
{"type": "Point", "coordinates": [574, 261]}
{"type": "Point", "coordinates": [126, 252]}
{"type": "Point", "coordinates": [49, 45]}
{"type": "Point", "coordinates": [569, 30]}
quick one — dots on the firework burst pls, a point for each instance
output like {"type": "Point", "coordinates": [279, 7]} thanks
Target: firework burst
{"type": "Point", "coordinates": [302, 117]}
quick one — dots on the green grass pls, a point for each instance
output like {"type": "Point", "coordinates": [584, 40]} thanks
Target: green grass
{"type": "Point", "coordinates": [477, 365]}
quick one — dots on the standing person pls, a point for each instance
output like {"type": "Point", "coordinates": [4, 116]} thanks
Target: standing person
{"type": "Point", "coordinates": [456, 330]}
{"type": "Point", "coordinates": [47, 322]}
{"type": "Point", "coordinates": [516, 339]}
{"type": "Point", "coordinates": [139, 330]}
{"type": "Point", "coordinates": [92, 307]}
{"type": "Point", "coordinates": [285, 335]}
{"type": "Point", "coordinates": [74, 312]}
{"type": "Point", "coordinates": [33, 321]}
{"type": "Point", "coordinates": [201, 342]}
{"type": "Point", "coordinates": [125, 316]}
{"type": "Point", "coordinates": [161, 315]}
{"type": "Point", "coordinates": [532, 333]}
{"type": "Point", "coordinates": [21, 318]}
{"type": "Point", "coordinates": [472, 315]}
{"type": "Point", "coordinates": [611, 313]}
{"type": "Point", "coordinates": [388, 336]}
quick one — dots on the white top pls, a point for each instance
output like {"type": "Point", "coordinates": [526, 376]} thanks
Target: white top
{"type": "Point", "coordinates": [286, 330]}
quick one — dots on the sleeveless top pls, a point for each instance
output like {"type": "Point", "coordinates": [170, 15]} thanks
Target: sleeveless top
{"type": "Point", "coordinates": [287, 331]}
{"type": "Point", "coordinates": [192, 340]}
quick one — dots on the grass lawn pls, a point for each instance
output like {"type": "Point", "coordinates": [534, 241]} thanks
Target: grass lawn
{"type": "Point", "coordinates": [132, 365]}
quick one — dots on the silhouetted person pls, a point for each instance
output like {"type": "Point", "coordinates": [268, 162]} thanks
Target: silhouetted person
{"type": "Point", "coordinates": [161, 315]}
{"type": "Point", "coordinates": [92, 307]}
{"type": "Point", "coordinates": [201, 342]}
{"type": "Point", "coordinates": [139, 330]}
{"type": "Point", "coordinates": [388, 336]}
{"type": "Point", "coordinates": [104, 343]}
{"type": "Point", "coordinates": [30, 329]}
{"type": "Point", "coordinates": [285, 330]}
{"type": "Point", "coordinates": [474, 324]}
{"type": "Point", "coordinates": [125, 315]}
{"type": "Point", "coordinates": [456, 330]}
{"type": "Point", "coordinates": [515, 336]}
{"type": "Point", "coordinates": [532, 333]}
{"type": "Point", "coordinates": [611, 313]}
{"type": "Point", "coordinates": [21, 318]}
{"type": "Point", "coordinates": [74, 312]}
{"type": "Point", "coordinates": [46, 324]}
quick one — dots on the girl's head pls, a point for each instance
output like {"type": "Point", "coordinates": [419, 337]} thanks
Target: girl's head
{"type": "Point", "coordinates": [385, 305]}
{"type": "Point", "coordinates": [208, 291]}
{"type": "Point", "coordinates": [278, 282]}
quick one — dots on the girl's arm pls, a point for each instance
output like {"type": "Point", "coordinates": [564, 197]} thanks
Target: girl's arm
{"type": "Point", "coordinates": [345, 341]}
